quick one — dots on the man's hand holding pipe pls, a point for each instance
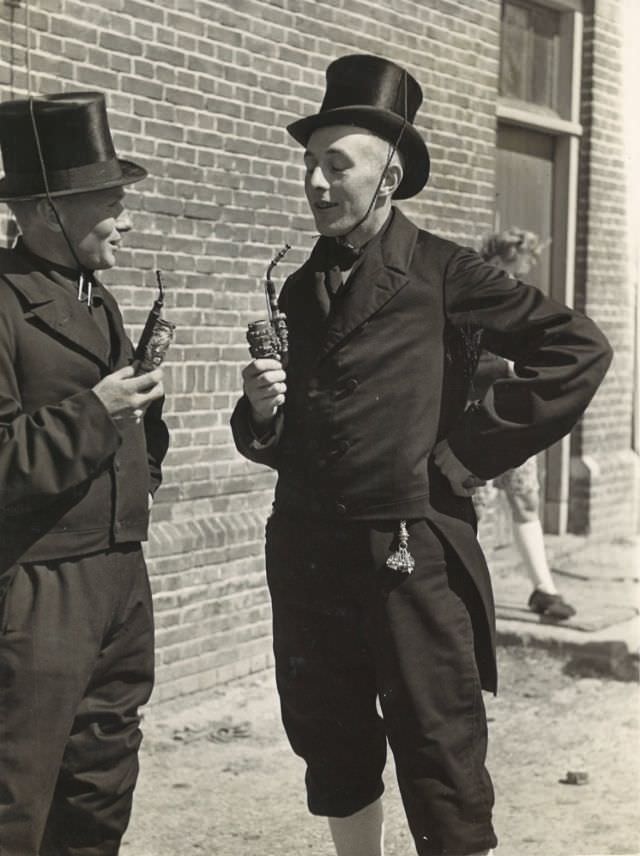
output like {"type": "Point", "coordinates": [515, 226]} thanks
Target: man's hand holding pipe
{"type": "Point", "coordinates": [126, 395]}
{"type": "Point", "coordinates": [264, 383]}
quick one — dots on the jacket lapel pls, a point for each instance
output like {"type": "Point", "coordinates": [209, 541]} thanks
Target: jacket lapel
{"type": "Point", "coordinates": [305, 301]}
{"type": "Point", "coordinates": [58, 311]}
{"type": "Point", "coordinates": [382, 273]}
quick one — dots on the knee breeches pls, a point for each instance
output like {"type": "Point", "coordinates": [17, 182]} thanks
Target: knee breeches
{"type": "Point", "coordinates": [349, 631]}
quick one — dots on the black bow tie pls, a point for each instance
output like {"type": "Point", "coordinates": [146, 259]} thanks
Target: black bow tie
{"type": "Point", "coordinates": [333, 257]}
{"type": "Point", "coordinates": [340, 254]}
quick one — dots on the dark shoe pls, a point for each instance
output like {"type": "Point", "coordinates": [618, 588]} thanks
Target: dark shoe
{"type": "Point", "coordinates": [550, 605]}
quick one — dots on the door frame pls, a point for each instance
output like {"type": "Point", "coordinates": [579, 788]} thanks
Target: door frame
{"type": "Point", "coordinates": [565, 127]}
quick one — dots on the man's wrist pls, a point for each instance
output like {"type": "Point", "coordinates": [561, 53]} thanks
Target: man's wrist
{"type": "Point", "coordinates": [262, 429]}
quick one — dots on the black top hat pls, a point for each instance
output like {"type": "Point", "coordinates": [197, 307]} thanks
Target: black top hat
{"type": "Point", "coordinates": [75, 144]}
{"type": "Point", "coordinates": [373, 93]}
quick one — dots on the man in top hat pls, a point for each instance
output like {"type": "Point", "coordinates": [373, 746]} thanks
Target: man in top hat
{"type": "Point", "coordinates": [380, 591]}
{"type": "Point", "coordinates": [81, 443]}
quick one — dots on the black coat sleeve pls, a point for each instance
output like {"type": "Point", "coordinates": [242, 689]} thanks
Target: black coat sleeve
{"type": "Point", "coordinates": [157, 440]}
{"type": "Point", "coordinates": [560, 357]}
{"type": "Point", "coordinates": [52, 449]}
{"type": "Point", "coordinates": [244, 438]}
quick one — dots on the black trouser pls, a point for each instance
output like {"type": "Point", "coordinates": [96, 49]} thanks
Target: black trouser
{"type": "Point", "coordinates": [76, 661]}
{"type": "Point", "coordinates": [347, 630]}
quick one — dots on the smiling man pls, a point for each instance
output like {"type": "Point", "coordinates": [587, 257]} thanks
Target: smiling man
{"type": "Point", "coordinates": [380, 591]}
{"type": "Point", "coordinates": [81, 443]}
{"type": "Point", "coordinates": [342, 164]}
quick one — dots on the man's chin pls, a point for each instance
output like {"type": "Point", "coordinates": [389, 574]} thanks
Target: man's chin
{"type": "Point", "coordinates": [105, 262]}
{"type": "Point", "coordinates": [331, 230]}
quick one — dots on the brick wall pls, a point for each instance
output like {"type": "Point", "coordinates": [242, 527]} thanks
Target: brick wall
{"type": "Point", "coordinates": [200, 92]}
{"type": "Point", "coordinates": [604, 467]}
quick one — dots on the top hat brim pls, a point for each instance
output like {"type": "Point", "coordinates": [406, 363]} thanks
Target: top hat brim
{"type": "Point", "coordinates": [89, 181]}
{"type": "Point", "coordinates": [384, 123]}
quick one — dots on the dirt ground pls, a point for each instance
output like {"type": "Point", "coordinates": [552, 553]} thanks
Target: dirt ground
{"type": "Point", "coordinates": [218, 778]}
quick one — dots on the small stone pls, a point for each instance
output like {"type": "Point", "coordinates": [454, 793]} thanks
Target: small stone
{"type": "Point", "coordinates": [575, 777]}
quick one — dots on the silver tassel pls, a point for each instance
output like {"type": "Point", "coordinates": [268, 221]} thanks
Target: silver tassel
{"type": "Point", "coordinates": [402, 560]}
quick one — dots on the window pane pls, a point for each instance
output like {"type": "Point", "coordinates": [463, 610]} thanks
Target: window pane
{"type": "Point", "coordinates": [529, 53]}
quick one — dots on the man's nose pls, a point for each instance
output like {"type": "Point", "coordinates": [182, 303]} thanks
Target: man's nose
{"type": "Point", "coordinates": [123, 222]}
{"type": "Point", "coordinates": [317, 179]}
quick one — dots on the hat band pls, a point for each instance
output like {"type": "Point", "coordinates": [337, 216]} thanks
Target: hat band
{"type": "Point", "coordinates": [77, 177]}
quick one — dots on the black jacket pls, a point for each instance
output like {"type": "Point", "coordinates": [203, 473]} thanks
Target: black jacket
{"type": "Point", "coordinates": [72, 480]}
{"type": "Point", "coordinates": [373, 388]}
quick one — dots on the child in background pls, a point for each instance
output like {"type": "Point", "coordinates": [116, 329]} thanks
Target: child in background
{"type": "Point", "coordinates": [515, 251]}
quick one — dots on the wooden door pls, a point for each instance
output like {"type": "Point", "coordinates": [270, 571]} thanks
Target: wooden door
{"type": "Point", "coordinates": [524, 190]}
{"type": "Point", "coordinates": [524, 198]}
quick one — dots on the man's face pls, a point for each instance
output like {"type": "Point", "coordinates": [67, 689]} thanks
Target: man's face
{"type": "Point", "coordinates": [94, 223]}
{"type": "Point", "coordinates": [343, 167]}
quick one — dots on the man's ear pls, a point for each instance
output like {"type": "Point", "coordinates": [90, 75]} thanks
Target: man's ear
{"type": "Point", "coordinates": [47, 215]}
{"type": "Point", "coordinates": [391, 180]}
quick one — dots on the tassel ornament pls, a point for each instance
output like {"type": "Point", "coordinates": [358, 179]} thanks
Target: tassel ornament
{"type": "Point", "coordinates": [402, 560]}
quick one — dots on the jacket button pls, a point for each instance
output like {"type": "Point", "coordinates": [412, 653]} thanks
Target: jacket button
{"type": "Point", "coordinates": [341, 508]}
{"type": "Point", "coordinates": [346, 388]}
